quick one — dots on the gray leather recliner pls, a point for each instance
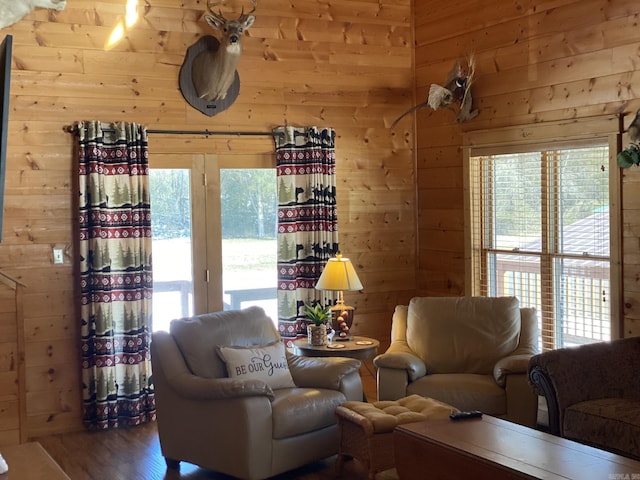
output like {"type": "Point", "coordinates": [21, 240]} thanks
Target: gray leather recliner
{"type": "Point", "coordinates": [469, 352]}
{"type": "Point", "coordinates": [243, 428]}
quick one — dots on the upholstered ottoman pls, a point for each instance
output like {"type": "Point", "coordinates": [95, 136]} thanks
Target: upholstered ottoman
{"type": "Point", "coordinates": [366, 429]}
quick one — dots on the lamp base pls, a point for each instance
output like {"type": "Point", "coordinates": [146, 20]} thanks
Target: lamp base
{"type": "Point", "coordinates": [341, 321]}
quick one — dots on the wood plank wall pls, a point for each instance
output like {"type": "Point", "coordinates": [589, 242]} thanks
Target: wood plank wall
{"type": "Point", "coordinates": [537, 61]}
{"type": "Point", "coordinates": [343, 64]}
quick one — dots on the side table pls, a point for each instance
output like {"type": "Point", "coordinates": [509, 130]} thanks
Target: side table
{"type": "Point", "coordinates": [357, 347]}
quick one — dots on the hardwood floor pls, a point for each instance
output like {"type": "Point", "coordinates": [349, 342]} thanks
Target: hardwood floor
{"type": "Point", "coordinates": [134, 454]}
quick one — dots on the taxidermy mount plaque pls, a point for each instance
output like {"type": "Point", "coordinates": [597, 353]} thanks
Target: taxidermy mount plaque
{"type": "Point", "coordinates": [188, 89]}
{"type": "Point", "coordinates": [209, 80]}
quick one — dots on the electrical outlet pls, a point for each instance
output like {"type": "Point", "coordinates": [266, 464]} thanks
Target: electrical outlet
{"type": "Point", "coordinates": [58, 255]}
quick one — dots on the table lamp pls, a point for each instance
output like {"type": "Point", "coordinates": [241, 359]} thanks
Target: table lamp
{"type": "Point", "coordinates": [339, 275]}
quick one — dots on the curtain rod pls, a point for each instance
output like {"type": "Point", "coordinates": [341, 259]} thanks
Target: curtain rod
{"type": "Point", "coordinates": [74, 129]}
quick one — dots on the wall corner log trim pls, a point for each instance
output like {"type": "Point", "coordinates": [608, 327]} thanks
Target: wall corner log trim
{"type": "Point", "coordinates": [17, 363]}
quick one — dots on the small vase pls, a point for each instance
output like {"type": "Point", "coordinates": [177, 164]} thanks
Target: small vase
{"type": "Point", "coordinates": [317, 334]}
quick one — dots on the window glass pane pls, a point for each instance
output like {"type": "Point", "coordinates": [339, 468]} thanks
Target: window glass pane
{"type": "Point", "coordinates": [518, 276]}
{"type": "Point", "coordinates": [513, 202]}
{"type": "Point", "coordinates": [249, 217]}
{"type": "Point", "coordinates": [172, 263]}
{"type": "Point", "coordinates": [584, 201]}
{"type": "Point", "coordinates": [583, 301]}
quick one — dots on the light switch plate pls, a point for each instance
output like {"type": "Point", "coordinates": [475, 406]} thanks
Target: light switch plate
{"type": "Point", "coordinates": [58, 255]}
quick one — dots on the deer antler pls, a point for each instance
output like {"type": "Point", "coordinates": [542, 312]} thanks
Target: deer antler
{"type": "Point", "coordinates": [218, 16]}
{"type": "Point", "coordinates": [244, 16]}
{"type": "Point", "coordinates": [221, 17]}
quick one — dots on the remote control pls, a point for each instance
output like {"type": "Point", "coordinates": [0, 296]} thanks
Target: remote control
{"type": "Point", "coordinates": [465, 415]}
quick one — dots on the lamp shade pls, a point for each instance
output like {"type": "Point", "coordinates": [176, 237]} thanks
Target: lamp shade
{"type": "Point", "coordinates": [339, 274]}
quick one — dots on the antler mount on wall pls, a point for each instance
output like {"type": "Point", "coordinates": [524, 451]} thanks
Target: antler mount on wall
{"type": "Point", "coordinates": [455, 91]}
{"type": "Point", "coordinates": [209, 80]}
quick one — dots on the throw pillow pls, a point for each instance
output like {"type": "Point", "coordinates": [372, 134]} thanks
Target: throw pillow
{"type": "Point", "coordinates": [258, 362]}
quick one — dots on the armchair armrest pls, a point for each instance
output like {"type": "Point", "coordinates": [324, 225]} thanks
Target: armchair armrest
{"type": "Point", "coordinates": [400, 357]}
{"type": "Point", "coordinates": [321, 372]}
{"type": "Point", "coordinates": [199, 388]}
{"type": "Point", "coordinates": [517, 363]}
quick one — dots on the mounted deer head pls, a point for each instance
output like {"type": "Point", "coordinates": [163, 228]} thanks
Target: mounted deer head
{"type": "Point", "coordinates": [13, 10]}
{"type": "Point", "coordinates": [213, 71]}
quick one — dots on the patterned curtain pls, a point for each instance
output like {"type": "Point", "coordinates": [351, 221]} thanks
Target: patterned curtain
{"type": "Point", "coordinates": [307, 220]}
{"type": "Point", "coordinates": [115, 274]}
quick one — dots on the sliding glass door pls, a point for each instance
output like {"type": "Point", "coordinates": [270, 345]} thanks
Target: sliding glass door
{"type": "Point", "coordinates": [214, 244]}
{"type": "Point", "coordinates": [248, 212]}
{"type": "Point", "coordinates": [172, 245]}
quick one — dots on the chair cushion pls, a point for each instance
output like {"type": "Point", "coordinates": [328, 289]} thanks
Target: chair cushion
{"type": "Point", "coordinates": [197, 337]}
{"type": "Point", "coordinates": [259, 362]}
{"type": "Point", "coordinates": [465, 391]}
{"type": "Point", "coordinates": [296, 411]}
{"type": "Point", "coordinates": [463, 334]}
{"type": "Point", "coordinates": [609, 423]}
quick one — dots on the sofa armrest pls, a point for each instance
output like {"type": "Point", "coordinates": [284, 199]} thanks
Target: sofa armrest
{"type": "Point", "coordinates": [542, 385]}
{"type": "Point", "coordinates": [510, 365]}
{"type": "Point", "coordinates": [400, 357]}
{"type": "Point", "coordinates": [321, 372]}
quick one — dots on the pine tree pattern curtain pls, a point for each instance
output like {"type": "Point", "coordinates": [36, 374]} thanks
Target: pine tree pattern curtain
{"type": "Point", "coordinates": [307, 220]}
{"type": "Point", "coordinates": [115, 274]}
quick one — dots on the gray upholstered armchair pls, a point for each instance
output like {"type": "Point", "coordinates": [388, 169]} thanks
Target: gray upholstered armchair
{"type": "Point", "coordinates": [469, 352]}
{"type": "Point", "coordinates": [260, 411]}
{"type": "Point", "coordinates": [593, 393]}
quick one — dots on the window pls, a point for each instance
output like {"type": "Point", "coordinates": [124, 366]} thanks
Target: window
{"type": "Point", "coordinates": [539, 229]}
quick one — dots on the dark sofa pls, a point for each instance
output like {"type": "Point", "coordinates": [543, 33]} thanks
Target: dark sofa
{"type": "Point", "coordinates": [593, 393]}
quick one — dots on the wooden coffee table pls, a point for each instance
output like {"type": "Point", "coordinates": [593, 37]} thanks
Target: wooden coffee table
{"type": "Point", "coordinates": [30, 461]}
{"type": "Point", "coordinates": [488, 448]}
